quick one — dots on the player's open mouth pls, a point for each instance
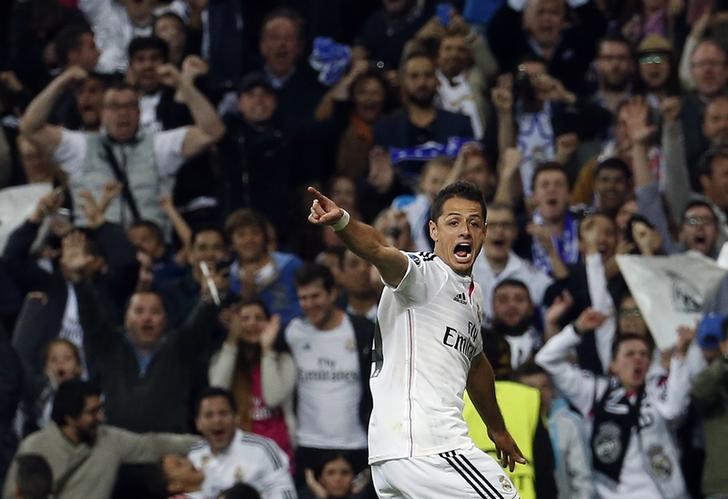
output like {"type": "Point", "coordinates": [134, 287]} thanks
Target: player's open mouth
{"type": "Point", "coordinates": [463, 251]}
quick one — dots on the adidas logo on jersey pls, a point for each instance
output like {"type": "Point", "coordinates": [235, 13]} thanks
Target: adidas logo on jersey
{"type": "Point", "coordinates": [460, 298]}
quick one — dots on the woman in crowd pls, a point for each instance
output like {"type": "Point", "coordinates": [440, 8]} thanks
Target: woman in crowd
{"type": "Point", "coordinates": [261, 379]}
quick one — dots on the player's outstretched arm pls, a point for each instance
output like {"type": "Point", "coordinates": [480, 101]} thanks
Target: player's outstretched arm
{"type": "Point", "coordinates": [481, 389]}
{"type": "Point", "coordinates": [362, 239]}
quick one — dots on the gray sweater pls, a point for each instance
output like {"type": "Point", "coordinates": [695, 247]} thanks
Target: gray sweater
{"type": "Point", "coordinates": [94, 477]}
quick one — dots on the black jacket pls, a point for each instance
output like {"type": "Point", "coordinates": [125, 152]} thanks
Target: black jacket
{"type": "Point", "coordinates": [364, 333]}
{"type": "Point", "coordinates": [574, 52]}
{"type": "Point", "coordinates": [161, 399]}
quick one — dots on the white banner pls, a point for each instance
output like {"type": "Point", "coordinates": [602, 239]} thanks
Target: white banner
{"type": "Point", "coordinates": [16, 204]}
{"type": "Point", "coordinates": [670, 290]}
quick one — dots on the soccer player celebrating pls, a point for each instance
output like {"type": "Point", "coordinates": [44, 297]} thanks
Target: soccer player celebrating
{"type": "Point", "coordinates": [427, 351]}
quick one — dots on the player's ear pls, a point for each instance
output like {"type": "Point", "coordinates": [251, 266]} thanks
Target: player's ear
{"type": "Point", "coordinates": [433, 230]}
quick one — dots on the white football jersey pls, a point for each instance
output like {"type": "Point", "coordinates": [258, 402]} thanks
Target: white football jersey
{"type": "Point", "coordinates": [428, 333]}
{"type": "Point", "coordinates": [250, 459]}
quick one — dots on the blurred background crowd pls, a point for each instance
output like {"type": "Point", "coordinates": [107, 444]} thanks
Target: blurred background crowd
{"type": "Point", "coordinates": [158, 278]}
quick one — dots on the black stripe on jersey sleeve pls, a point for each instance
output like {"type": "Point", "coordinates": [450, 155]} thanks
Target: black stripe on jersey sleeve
{"type": "Point", "coordinates": [270, 450]}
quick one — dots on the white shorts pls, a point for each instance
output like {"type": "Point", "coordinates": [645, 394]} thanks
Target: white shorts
{"type": "Point", "coordinates": [458, 474]}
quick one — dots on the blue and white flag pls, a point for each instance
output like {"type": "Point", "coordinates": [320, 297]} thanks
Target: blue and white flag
{"type": "Point", "coordinates": [330, 59]}
{"type": "Point", "coordinates": [670, 290]}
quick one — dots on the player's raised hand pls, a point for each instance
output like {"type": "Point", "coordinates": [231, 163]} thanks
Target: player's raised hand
{"type": "Point", "coordinates": [506, 449]}
{"type": "Point", "coordinates": [323, 210]}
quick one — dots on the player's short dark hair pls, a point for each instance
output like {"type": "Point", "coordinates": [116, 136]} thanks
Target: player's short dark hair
{"type": "Point", "coordinates": [312, 272]}
{"type": "Point", "coordinates": [152, 42]}
{"type": "Point", "coordinates": [460, 189]}
{"type": "Point", "coordinates": [246, 217]}
{"type": "Point", "coordinates": [153, 227]}
{"type": "Point", "coordinates": [240, 491]}
{"type": "Point", "coordinates": [34, 477]}
{"type": "Point", "coordinates": [68, 39]}
{"type": "Point", "coordinates": [213, 392]}
{"type": "Point", "coordinates": [517, 283]}
{"type": "Point", "coordinates": [622, 338]}
{"type": "Point", "coordinates": [549, 166]}
{"type": "Point", "coordinates": [70, 399]}
{"type": "Point", "coordinates": [613, 163]}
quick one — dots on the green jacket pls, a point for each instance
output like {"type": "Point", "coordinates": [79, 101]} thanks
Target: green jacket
{"type": "Point", "coordinates": [89, 471]}
{"type": "Point", "coordinates": [710, 393]}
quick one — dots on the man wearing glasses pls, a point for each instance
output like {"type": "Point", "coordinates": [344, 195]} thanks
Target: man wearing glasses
{"type": "Point", "coordinates": [145, 163]}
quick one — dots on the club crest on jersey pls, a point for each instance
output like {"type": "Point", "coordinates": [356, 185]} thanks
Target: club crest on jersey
{"type": "Point", "coordinates": [505, 483]}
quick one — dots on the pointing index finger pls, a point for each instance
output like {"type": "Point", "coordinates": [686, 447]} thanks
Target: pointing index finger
{"type": "Point", "coordinates": [317, 194]}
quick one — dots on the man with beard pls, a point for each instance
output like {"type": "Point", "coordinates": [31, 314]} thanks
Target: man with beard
{"type": "Point", "coordinates": [90, 101]}
{"type": "Point", "coordinates": [74, 46]}
{"type": "Point", "coordinates": [497, 262]}
{"type": "Point", "coordinates": [464, 68]}
{"type": "Point", "coordinates": [612, 186]}
{"type": "Point", "coordinates": [615, 67]}
{"type": "Point", "coordinates": [419, 121]}
{"type": "Point", "coordinates": [513, 338]}
{"type": "Point", "coordinates": [157, 105]}
{"type": "Point", "coordinates": [83, 453]}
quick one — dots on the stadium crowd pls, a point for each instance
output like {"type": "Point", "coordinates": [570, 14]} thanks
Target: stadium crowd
{"type": "Point", "coordinates": [170, 325]}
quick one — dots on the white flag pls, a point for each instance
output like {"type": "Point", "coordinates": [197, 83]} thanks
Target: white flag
{"type": "Point", "coordinates": [670, 290]}
{"type": "Point", "coordinates": [16, 204]}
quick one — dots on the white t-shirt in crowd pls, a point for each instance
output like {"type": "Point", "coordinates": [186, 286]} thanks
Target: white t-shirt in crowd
{"type": "Point", "coordinates": [430, 333]}
{"type": "Point", "coordinates": [329, 385]}
{"type": "Point", "coordinates": [71, 151]}
{"type": "Point", "coordinates": [457, 96]}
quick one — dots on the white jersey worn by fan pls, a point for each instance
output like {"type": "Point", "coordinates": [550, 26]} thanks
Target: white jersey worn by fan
{"type": "Point", "coordinates": [429, 333]}
{"type": "Point", "coordinates": [250, 459]}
